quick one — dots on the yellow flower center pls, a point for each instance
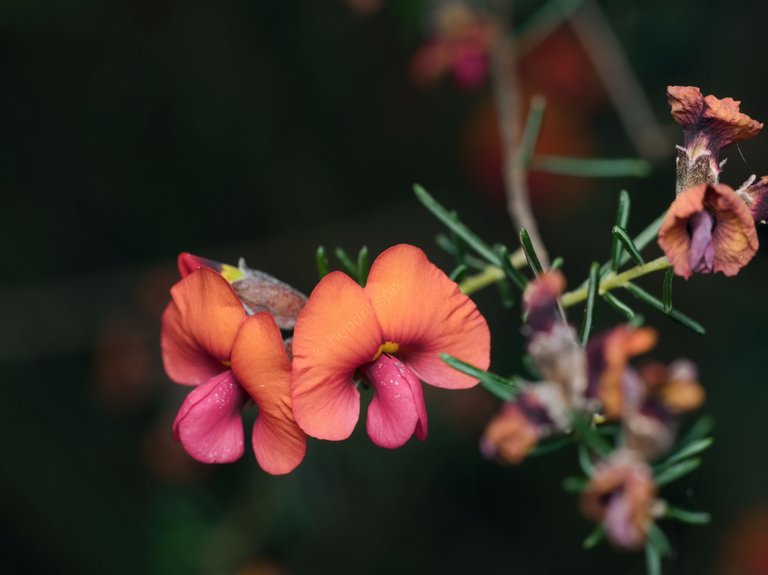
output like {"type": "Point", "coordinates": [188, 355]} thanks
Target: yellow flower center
{"type": "Point", "coordinates": [386, 347]}
{"type": "Point", "coordinates": [231, 273]}
{"type": "Point", "coordinates": [226, 363]}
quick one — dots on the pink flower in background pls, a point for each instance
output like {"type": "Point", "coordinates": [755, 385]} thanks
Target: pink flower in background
{"type": "Point", "coordinates": [209, 342]}
{"type": "Point", "coordinates": [387, 335]}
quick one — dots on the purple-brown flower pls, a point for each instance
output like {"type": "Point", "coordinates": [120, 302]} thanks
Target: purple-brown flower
{"type": "Point", "coordinates": [621, 495]}
{"type": "Point", "coordinates": [709, 228]}
{"type": "Point", "coordinates": [709, 125]}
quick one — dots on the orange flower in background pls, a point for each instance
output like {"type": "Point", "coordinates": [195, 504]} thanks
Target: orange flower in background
{"type": "Point", "coordinates": [209, 342]}
{"type": "Point", "coordinates": [708, 228]}
{"type": "Point", "coordinates": [387, 335]}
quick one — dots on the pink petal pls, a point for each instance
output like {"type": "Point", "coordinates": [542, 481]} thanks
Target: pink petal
{"type": "Point", "coordinates": [397, 410]}
{"type": "Point", "coordinates": [208, 424]}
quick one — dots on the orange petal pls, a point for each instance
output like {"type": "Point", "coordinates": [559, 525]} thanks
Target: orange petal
{"type": "Point", "coordinates": [423, 311]}
{"type": "Point", "coordinates": [184, 359]}
{"type": "Point", "coordinates": [261, 365]}
{"type": "Point", "coordinates": [336, 333]}
{"type": "Point", "coordinates": [210, 311]}
{"type": "Point", "coordinates": [734, 236]}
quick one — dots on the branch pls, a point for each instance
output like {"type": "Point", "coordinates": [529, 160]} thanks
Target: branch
{"type": "Point", "coordinates": [506, 87]}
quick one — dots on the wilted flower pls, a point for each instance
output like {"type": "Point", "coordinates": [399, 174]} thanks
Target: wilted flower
{"type": "Point", "coordinates": [658, 393]}
{"type": "Point", "coordinates": [755, 197]}
{"type": "Point", "coordinates": [709, 228]}
{"type": "Point", "coordinates": [608, 357]}
{"type": "Point", "coordinates": [209, 342]}
{"type": "Point", "coordinates": [621, 495]}
{"type": "Point", "coordinates": [552, 344]}
{"type": "Point", "coordinates": [709, 125]}
{"type": "Point", "coordinates": [257, 290]}
{"type": "Point", "coordinates": [514, 432]}
{"type": "Point", "coordinates": [387, 334]}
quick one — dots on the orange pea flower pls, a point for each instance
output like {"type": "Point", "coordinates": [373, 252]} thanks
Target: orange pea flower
{"type": "Point", "coordinates": [387, 335]}
{"type": "Point", "coordinates": [209, 342]}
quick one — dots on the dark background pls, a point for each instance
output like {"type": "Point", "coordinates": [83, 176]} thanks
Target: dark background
{"type": "Point", "coordinates": [131, 131]}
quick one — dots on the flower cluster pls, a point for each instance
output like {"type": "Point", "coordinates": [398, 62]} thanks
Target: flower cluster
{"type": "Point", "coordinates": [583, 385]}
{"type": "Point", "coordinates": [221, 333]}
{"type": "Point", "coordinates": [710, 227]}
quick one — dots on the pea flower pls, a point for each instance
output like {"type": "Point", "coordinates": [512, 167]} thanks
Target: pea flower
{"type": "Point", "coordinates": [709, 125]}
{"type": "Point", "coordinates": [660, 393]}
{"type": "Point", "coordinates": [553, 344]}
{"type": "Point", "coordinates": [608, 357]}
{"type": "Point", "coordinates": [520, 425]}
{"type": "Point", "coordinates": [387, 335]}
{"type": "Point", "coordinates": [209, 342]}
{"type": "Point", "coordinates": [709, 228]}
{"type": "Point", "coordinates": [257, 290]}
{"type": "Point", "coordinates": [622, 496]}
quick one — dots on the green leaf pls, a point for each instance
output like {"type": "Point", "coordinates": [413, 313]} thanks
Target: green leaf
{"type": "Point", "coordinates": [515, 276]}
{"type": "Point", "coordinates": [530, 253]}
{"type": "Point", "coordinates": [618, 305]}
{"type": "Point", "coordinates": [589, 310]}
{"type": "Point", "coordinates": [652, 559]}
{"type": "Point", "coordinates": [346, 261]}
{"type": "Point", "coordinates": [654, 302]}
{"type": "Point", "coordinates": [699, 430]}
{"type": "Point", "coordinates": [449, 247]}
{"type": "Point", "coordinates": [458, 272]}
{"type": "Point", "coordinates": [321, 260]}
{"type": "Point", "coordinates": [551, 446]}
{"type": "Point", "coordinates": [502, 387]}
{"type": "Point", "coordinates": [574, 484]}
{"type": "Point", "coordinates": [597, 535]}
{"type": "Point", "coordinates": [505, 294]}
{"type": "Point", "coordinates": [363, 265]}
{"type": "Point", "coordinates": [454, 224]}
{"type": "Point", "coordinates": [687, 516]}
{"type": "Point", "coordinates": [668, 277]}
{"type": "Point", "coordinates": [557, 263]}
{"type": "Point", "coordinates": [641, 240]}
{"type": "Point", "coordinates": [622, 219]}
{"type": "Point", "coordinates": [592, 168]}
{"type": "Point", "coordinates": [659, 540]}
{"type": "Point", "coordinates": [689, 450]}
{"type": "Point", "coordinates": [585, 461]}
{"type": "Point", "coordinates": [620, 234]}
{"type": "Point", "coordinates": [531, 131]}
{"type": "Point", "coordinates": [676, 471]}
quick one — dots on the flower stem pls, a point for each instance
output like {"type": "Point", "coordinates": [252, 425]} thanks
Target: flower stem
{"type": "Point", "coordinates": [613, 280]}
{"type": "Point", "coordinates": [489, 276]}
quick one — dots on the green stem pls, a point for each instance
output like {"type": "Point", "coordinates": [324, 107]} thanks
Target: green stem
{"type": "Point", "coordinates": [612, 281]}
{"type": "Point", "coordinates": [489, 276]}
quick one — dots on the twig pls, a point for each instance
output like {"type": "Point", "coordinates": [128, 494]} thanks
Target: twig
{"type": "Point", "coordinates": [618, 77]}
{"type": "Point", "coordinates": [508, 102]}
